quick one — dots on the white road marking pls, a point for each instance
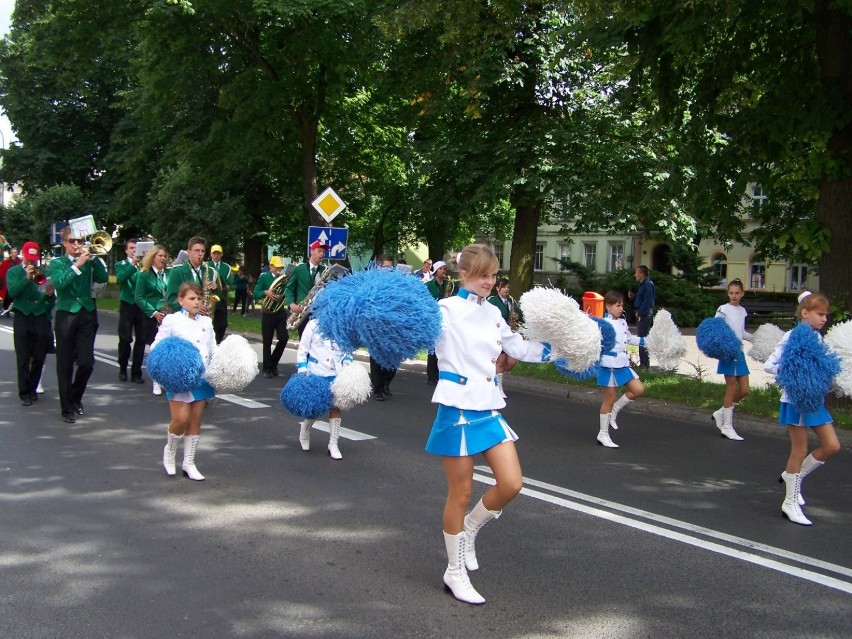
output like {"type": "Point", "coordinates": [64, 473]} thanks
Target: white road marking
{"type": "Point", "coordinates": [743, 555]}
{"type": "Point", "coordinates": [242, 401]}
{"type": "Point", "coordinates": [354, 435]}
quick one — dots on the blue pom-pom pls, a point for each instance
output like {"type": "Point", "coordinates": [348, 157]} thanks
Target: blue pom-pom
{"type": "Point", "coordinates": [607, 334]}
{"type": "Point", "coordinates": [590, 373]}
{"type": "Point", "coordinates": [390, 314]}
{"type": "Point", "coordinates": [806, 369]}
{"type": "Point", "coordinates": [307, 396]}
{"type": "Point", "coordinates": [716, 339]}
{"type": "Point", "coordinates": [175, 364]}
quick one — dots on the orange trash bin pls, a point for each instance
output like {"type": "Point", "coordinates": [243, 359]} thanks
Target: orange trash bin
{"type": "Point", "coordinates": [593, 303]}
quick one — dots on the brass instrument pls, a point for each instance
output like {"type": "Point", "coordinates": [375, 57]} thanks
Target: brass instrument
{"type": "Point", "coordinates": [296, 319]}
{"type": "Point", "coordinates": [210, 299]}
{"type": "Point", "coordinates": [38, 277]}
{"type": "Point", "coordinates": [514, 322]}
{"type": "Point", "coordinates": [270, 305]}
{"type": "Point", "coordinates": [99, 243]}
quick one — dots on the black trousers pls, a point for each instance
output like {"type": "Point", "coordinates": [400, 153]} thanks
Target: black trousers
{"type": "Point", "coordinates": [380, 377]}
{"type": "Point", "coordinates": [220, 320]}
{"type": "Point", "coordinates": [273, 325]}
{"type": "Point", "coordinates": [432, 367]}
{"type": "Point", "coordinates": [240, 297]}
{"type": "Point", "coordinates": [32, 338]}
{"type": "Point", "coordinates": [151, 328]}
{"type": "Point", "coordinates": [131, 330]}
{"type": "Point", "coordinates": [75, 344]}
{"type": "Point", "coordinates": [643, 327]}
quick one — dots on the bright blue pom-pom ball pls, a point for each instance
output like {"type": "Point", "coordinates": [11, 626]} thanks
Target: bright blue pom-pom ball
{"type": "Point", "coordinates": [307, 396]}
{"type": "Point", "coordinates": [389, 313]}
{"type": "Point", "coordinates": [590, 373]}
{"type": "Point", "coordinates": [607, 334]}
{"type": "Point", "coordinates": [175, 364]}
{"type": "Point", "coordinates": [806, 369]}
{"type": "Point", "coordinates": [716, 339]}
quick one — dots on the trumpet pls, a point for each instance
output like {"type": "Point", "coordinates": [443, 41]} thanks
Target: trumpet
{"type": "Point", "coordinates": [38, 277]}
{"type": "Point", "coordinates": [99, 243]}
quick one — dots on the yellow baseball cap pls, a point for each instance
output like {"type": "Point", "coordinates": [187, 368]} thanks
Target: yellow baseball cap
{"type": "Point", "coordinates": [215, 249]}
{"type": "Point", "coordinates": [276, 261]}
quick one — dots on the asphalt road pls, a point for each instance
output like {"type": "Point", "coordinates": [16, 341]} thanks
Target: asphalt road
{"type": "Point", "coordinates": [676, 534]}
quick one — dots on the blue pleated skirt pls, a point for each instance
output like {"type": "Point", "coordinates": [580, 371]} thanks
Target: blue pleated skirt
{"type": "Point", "coordinates": [789, 415]}
{"type": "Point", "coordinates": [202, 391]}
{"type": "Point", "coordinates": [615, 377]}
{"type": "Point", "coordinates": [460, 433]}
{"type": "Point", "coordinates": [735, 368]}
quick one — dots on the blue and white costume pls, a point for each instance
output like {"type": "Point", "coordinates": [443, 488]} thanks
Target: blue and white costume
{"type": "Point", "coordinates": [474, 334]}
{"type": "Point", "coordinates": [788, 413]}
{"type": "Point", "coordinates": [735, 318]}
{"type": "Point", "coordinates": [198, 332]}
{"type": "Point", "coordinates": [615, 368]}
{"type": "Point", "coordinates": [318, 355]}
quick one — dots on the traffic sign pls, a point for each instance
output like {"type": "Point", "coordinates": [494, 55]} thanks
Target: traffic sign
{"type": "Point", "coordinates": [328, 204]}
{"type": "Point", "coordinates": [336, 238]}
{"type": "Point", "coordinates": [55, 232]}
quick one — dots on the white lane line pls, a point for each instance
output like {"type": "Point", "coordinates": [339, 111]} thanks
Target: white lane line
{"type": "Point", "coordinates": [242, 401]}
{"type": "Point", "coordinates": [354, 435]}
{"type": "Point", "coordinates": [794, 571]}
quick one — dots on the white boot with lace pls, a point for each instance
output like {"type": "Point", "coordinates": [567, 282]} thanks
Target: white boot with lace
{"type": "Point", "coordinates": [305, 433]}
{"type": "Point", "coordinates": [169, 452]}
{"type": "Point", "coordinates": [790, 506]}
{"type": "Point", "coordinates": [333, 436]}
{"type": "Point", "coordinates": [603, 436]}
{"type": "Point", "coordinates": [455, 577]}
{"type": "Point", "coordinates": [622, 402]}
{"type": "Point", "coordinates": [190, 444]}
{"type": "Point", "coordinates": [473, 522]}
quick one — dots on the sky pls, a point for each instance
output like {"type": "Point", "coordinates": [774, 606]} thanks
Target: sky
{"type": "Point", "coordinates": [6, 8]}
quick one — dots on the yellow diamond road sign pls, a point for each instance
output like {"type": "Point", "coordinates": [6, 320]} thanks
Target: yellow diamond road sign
{"type": "Point", "coordinates": [328, 204]}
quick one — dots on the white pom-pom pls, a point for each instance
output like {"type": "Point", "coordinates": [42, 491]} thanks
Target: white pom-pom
{"type": "Point", "coordinates": [233, 365]}
{"type": "Point", "coordinates": [763, 342]}
{"type": "Point", "coordinates": [665, 342]}
{"type": "Point", "coordinates": [351, 386]}
{"type": "Point", "coordinates": [839, 340]}
{"type": "Point", "coordinates": [555, 318]}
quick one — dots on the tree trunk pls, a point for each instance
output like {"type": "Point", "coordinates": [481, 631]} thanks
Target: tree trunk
{"type": "Point", "coordinates": [523, 248]}
{"type": "Point", "coordinates": [834, 207]}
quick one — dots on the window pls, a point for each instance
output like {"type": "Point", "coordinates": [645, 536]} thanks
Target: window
{"type": "Point", "coordinates": [498, 251]}
{"type": "Point", "coordinates": [798, 277]}
{"type": "Point", "coordinates": [538, 261]}
{"type": "Point", "coordinates": [757, 273]}
{"type": "Point", "coordinates": [758, 196]}
{"type": "Point", "coordinates": [590, 250]}
{"type": "Point", "coordinates": [564, 256]}
{"type": "Point", "coordinates": [616, 257]}
{"type": "Point", "coordinates": [719, 264]}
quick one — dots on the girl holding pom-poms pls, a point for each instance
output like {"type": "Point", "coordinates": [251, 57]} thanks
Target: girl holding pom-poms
{"type": "Point", "coordinates": [187, 407]}
{"type": "Point", "coordinates": [468, 419]}
{"type": "Point", "coordinates": [615, 369]}
{"type": "Point", "coordinates": [805, 370]}
{"type": "Point", "coordinates": [736, 371]}
{"type": "Point", "coordinates": [320, 356]}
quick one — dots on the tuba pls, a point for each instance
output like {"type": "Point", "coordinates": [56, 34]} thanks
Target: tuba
{"type": "Point", "coordinates": [333, 272]}
{"type": "Point", "coordinates": [269, 305]}
{"type": "Point", "coordinates": [99, 243]}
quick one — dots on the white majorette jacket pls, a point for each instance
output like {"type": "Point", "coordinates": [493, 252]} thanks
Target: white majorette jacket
{"type": "Point", "coordinates": [474, 334]}
{"type": "Point", "coordinates": [199, 332]}
{"type": "Point", "coordinates": [618, 357]}
{"type": "Point", "coordinates": [319, 356]}
{"type": "Point", "coordinates": [735, 317]}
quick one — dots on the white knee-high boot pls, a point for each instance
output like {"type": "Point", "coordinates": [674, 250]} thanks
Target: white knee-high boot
{"type": "Point", "coordinates": [728, 424]}
{"type": "Point", "coordinates": [333, 436]}
{"type": "Point", "coordinates": [809, 465]}
{"type": "Point", "coordinates": [305, 433]}
{"type": "Point", "coordinates": [455, 577]}
{"type": "Point", "coordinates": [473, 522]}
{"type": "Point", "coordinates": [603, 436]}
{"type": "Point", "coordinates": [790, 506]}
{"type": "Point", "coordinates": [190, 444]}
{"type": "Point", "coordinates": [169, 452]}
{"type": "Point", "coordinates": [622, 402]}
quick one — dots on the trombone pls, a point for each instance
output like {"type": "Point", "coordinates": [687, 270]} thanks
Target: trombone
{"type": "Point", "coordinates": [99, 243]}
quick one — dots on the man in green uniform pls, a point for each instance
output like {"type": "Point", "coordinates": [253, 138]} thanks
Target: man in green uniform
{"type": "Point", "coordinates": [440, 286]}
{"type": "Point", "coordinates": [76, 323]}
{"type": "Point", "coordinates": [224, 280]}
{"type": "Point", "coordinates": [272, 323]}
{"type": "Point", "coordinates": [303, 278]}
{"type": "Point", "coordinates": [131, 322]}
{"type": "Point", "coordinates": [192, 270]}
{"type": "Point", "coordinates": [33, 303]}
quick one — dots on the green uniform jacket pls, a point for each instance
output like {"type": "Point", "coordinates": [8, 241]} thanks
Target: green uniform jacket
{"type": "Point", "coordinates": [73, 291]}
{"type": "Point", "coordinates": [224, 282]}
{"type": "Point", "coordinates": [177, 276]}
{"type": "Point", "coordinates": [504, 308]}
{"type": "Point", "coordinates": [125, 274]}
{"type": "Point", "coordinates": [300, 283]}
{"type": "Point", "coordinates": [28, 299]}
{"type": "Point", "coordinates": [440, 291]}
{"type": "Point", "coordinates": [150, 292]}
{"type": "Point", "coordinates": [263, 283]}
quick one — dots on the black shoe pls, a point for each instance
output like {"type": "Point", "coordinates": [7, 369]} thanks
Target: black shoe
{"type": "Point", "coordinates": [34, 397]}
{"type": "Point", "coordinates": [267, 374]}
{"type": "Point", "coordinates": [68, 418]}
{"type": "Point", "coordinates": [378, 397]}
{"type": "Point", "coordinates": [387, 391]}
{"type": "Point", "coordinates": [137, 379]}
{"type": "Point", "coordinates": [274, 372]}
{"type": "Point", "coordinates": [78, 408]}
{"type": "Point", "coordinates": [26, 401]}
{"type": "Point", "coordinates": [122, 376]}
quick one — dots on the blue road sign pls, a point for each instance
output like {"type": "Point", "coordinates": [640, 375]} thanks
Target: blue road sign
{"type": "Point", "coordinates": [55, 230]}
{"type": "Point", "coordinates": [336, 238]}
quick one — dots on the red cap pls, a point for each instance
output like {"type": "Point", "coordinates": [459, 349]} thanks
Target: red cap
{"type": "Point", "coordinates": [31, 251]}
{"type": "Point", "coordinates": [317, 244]}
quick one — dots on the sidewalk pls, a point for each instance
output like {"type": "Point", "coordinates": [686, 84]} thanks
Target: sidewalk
{"type": "Point", "coordinates": [694, 361]}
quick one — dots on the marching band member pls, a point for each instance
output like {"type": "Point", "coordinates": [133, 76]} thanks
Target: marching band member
{"type": "Point", "coordinates": [187, 408]}
{"type": "Point", "coordinates": [76, 320]}
{"type": "Point", "coordinates": [381, 377]}
{"type": "Point", "coordinates": [224, 278]}
{"type": "Point", "coordinates": [468, 420]}
{"type": "Point", "coordinates": [192, 270]}
{"type": "Point", "coordinates": [303, 278]}
{"type": "Point", "coordinates": [150, 295]}
{"type": "Point", "coordinates": [320, 356]}
{"type": "Point", "coordinates": [440, 286]}
{"type": "Point", "coordinates": [512, 316]}
{"type": "Point", "coordinates": [272, 323]}
{"type": "Point", "coordinates": [31, 320]}
{"type": "Point", "coordinates": [131, 322]}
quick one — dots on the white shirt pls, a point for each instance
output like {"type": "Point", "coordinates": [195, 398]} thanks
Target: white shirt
{"type": "Point", "coordinates": [735, 317]}
{"type": "Point", "coordinates": [473, 336]}
{"type": "Point", "coordinates": [198, 332]}
{"type": "Point", "coordinates": [320, 356]}
{"type": "Point", "coordinates": [623, 337]}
